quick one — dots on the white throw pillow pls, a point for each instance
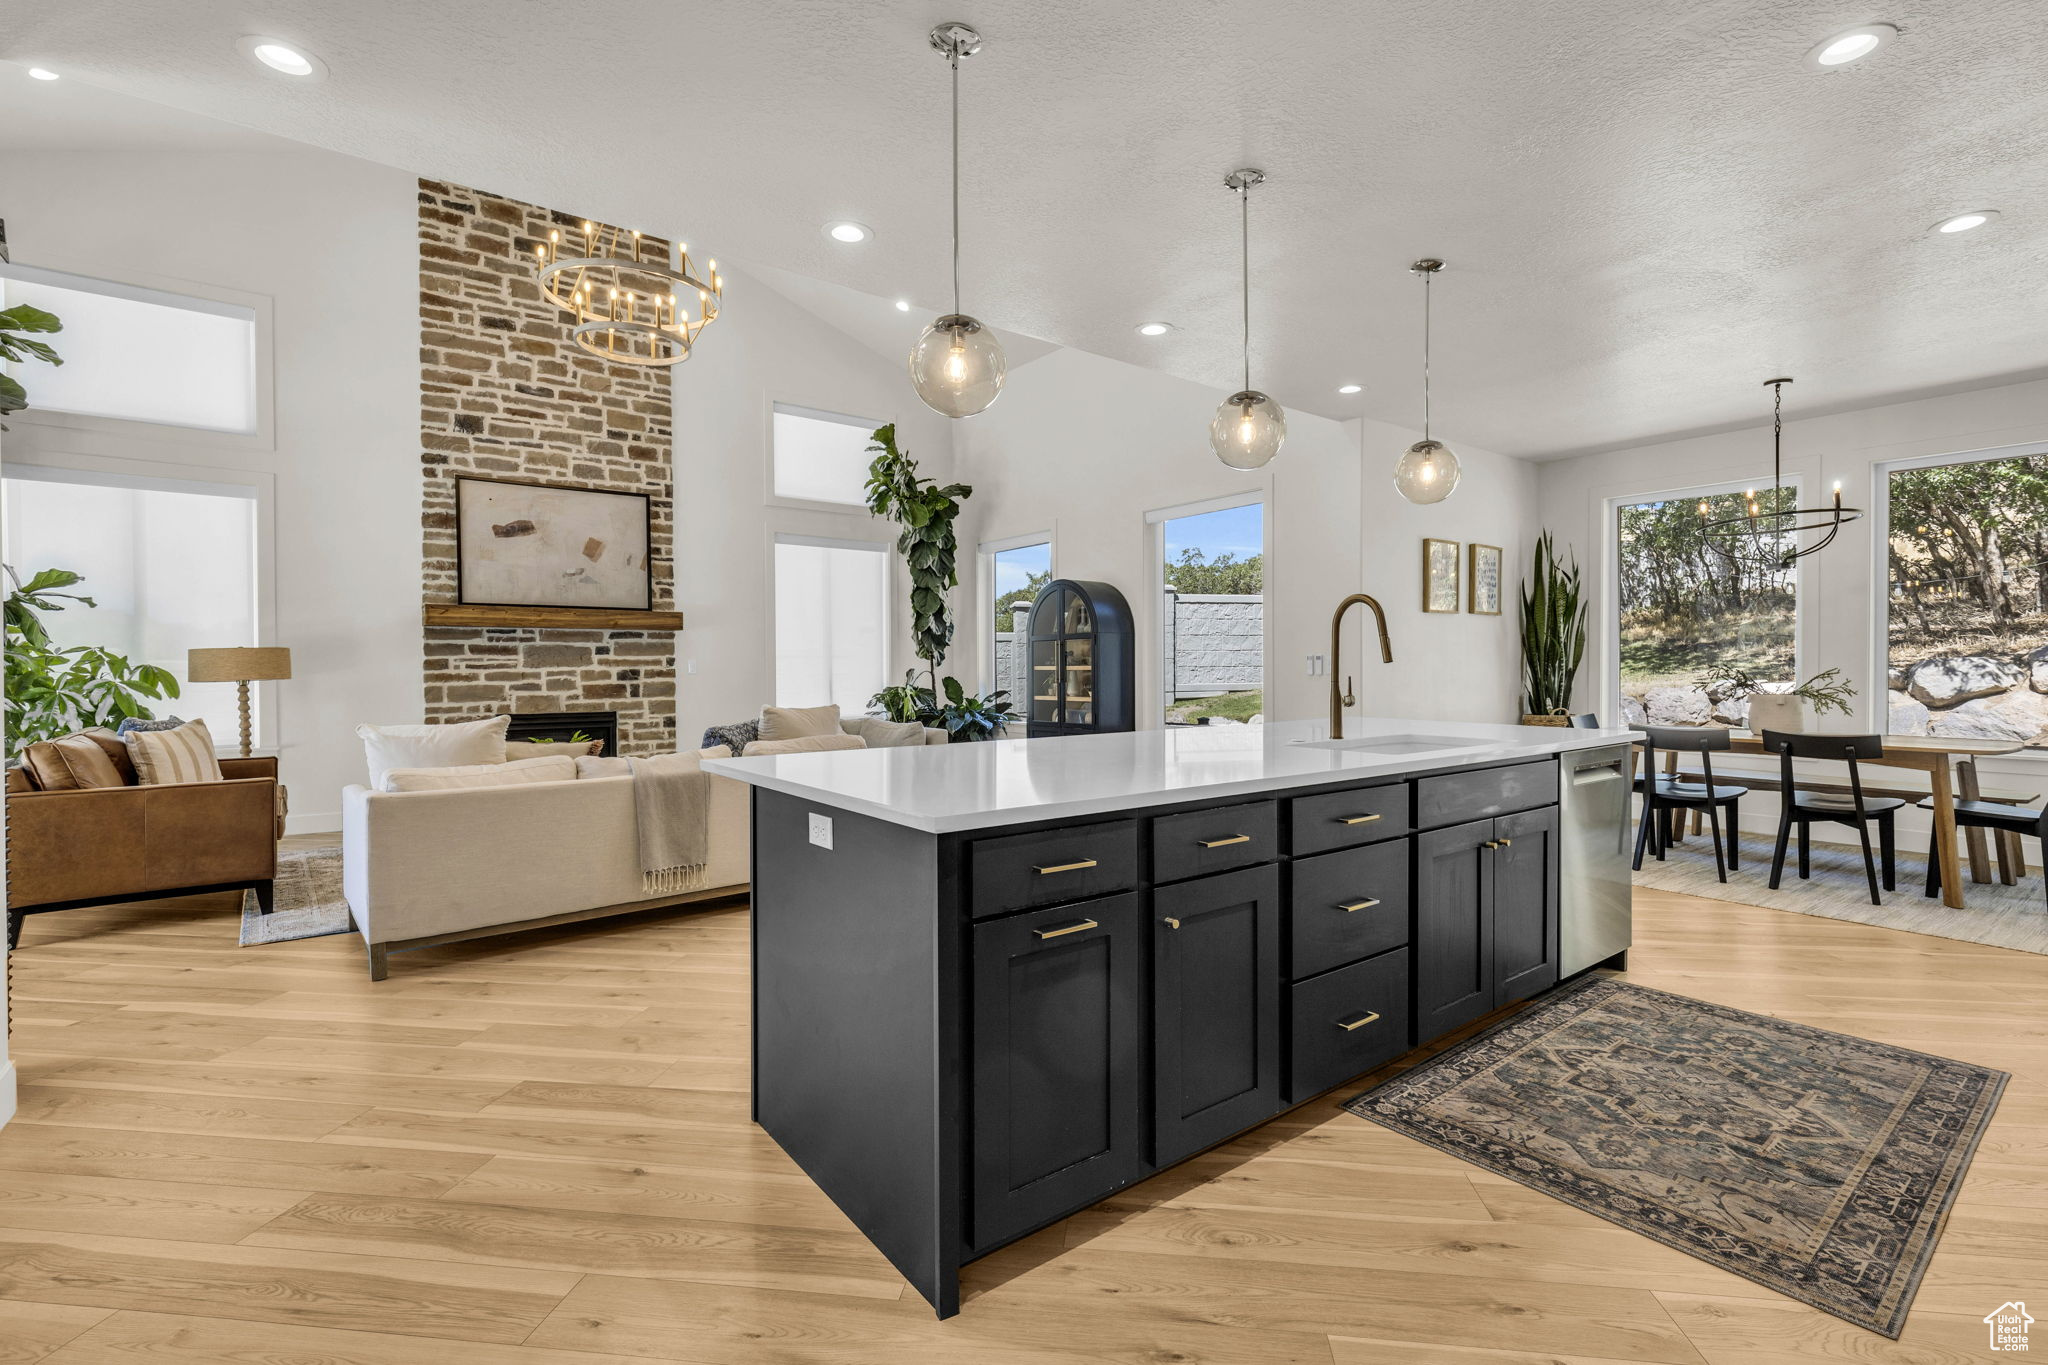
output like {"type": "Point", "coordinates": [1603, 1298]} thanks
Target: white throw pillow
{"type": "Point", "coordinates": [560, 768]}
{"type": "Point", "coordinates": [795, 722]}
{"type": "Point", "coordinates": [886, 734]}
{"type": "Point", "coordinates": [387, 747]}
{"type": "Point", "coordinates": [181, 755]}
{"type": "Point", "coordinates": [808, 744]}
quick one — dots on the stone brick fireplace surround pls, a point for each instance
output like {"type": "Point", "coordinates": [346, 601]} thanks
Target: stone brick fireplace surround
{"type": "Point", "coordinates": [504, 393]}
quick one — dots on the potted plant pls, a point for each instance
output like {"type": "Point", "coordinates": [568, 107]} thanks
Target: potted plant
{"type": "Point", "coordinates": [53, 691]}
{"type": "Point", "coordinates": [1774, 706]}
{"type": "Point", "coordinates": [1553, 635]}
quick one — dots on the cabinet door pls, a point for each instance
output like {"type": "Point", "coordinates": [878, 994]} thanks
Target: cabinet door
{"type": "Point", "coordinates": [1216, 1009]}
{"type": "Point", "coordinates": [1454, 973]}
{"type": "Point", "coordinates": [1059, 1065]}
{"type": "Point", "coordinates": [1525, 904]}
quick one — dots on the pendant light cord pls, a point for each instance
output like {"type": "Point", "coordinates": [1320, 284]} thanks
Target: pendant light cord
{"type": "Point", "coordinates": [953, 60]}
{"type": "Point", "coordinates": [1244, 196]}
{"type": "Point", "coordinates": [1426, 278]}
{"type": "Point", "coordinates": [1777, 438]}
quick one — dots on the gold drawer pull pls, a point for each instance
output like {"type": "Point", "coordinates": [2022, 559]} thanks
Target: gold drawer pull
{"type": "Point", "coordinates": [1356, 819]}
{"type": "Point", "coordinates": [1358, 1021]}
{"type": "Point", "coordinates": [1368, 903]}
{"type": "Point", "coordinates": [1223, 843]}
{"type": "Point", "coordinates": [1064, 867]}
{"type": "Point", "coordinates": [1076, 927]}
{"type": "Point", "coordinates": [1497, 843]}
{"type": "Point", "coordinates": [1506, 843]}
{"type": "Point", "coordinates": [1172, 923]}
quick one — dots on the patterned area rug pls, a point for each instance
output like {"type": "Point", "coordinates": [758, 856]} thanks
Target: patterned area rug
{"type": "Point", "coordinates": [309, 900]}
{"type": "Point", "coordinates": [1997, 915]}
{"type": "Point", "coordinates": [1813, 1163]}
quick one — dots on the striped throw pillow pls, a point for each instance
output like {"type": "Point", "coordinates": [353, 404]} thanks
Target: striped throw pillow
{"type": "Point", "coordinates": [181, 755]}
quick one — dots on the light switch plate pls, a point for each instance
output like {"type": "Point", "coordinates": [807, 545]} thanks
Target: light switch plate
{"type": "Point", "coordinates": [821, 830]}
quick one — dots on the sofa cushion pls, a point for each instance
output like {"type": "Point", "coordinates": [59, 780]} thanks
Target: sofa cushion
{"type": "Point", "coordinates": [797, 722]}
{"type": "Point", "coordinates": [588, 766]}
{"type": "Point", "coordinates": [559, 768]}
{"type": "Point", "coordinates": [516, 749]}
{"type": "Point", "coordinates": [807, 744]}
{"type": "Point", "coordinates": [116, 748]}
{"type": "Point", "coordinates": [386, 747]}
{"type": "Point", "coordinates": [72, 762]}
{"type": "Point", "coordinates": [886, 734]}
{"type": "Point", "coordinates": [184, 754]}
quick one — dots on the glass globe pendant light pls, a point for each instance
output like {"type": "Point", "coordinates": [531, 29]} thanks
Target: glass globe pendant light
{"type": "Point", "coordinates": [1249, 428]}
{"type": "Point", "coordinates": [1429, 470]}
{"type": "Point", "coordinates": [957, 366]}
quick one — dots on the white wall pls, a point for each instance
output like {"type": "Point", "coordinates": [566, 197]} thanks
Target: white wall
{"type": "Point", "coordinates": [1839, 587]}
{"type": "Point", "coordinates": [326, 245]}
{"type": "Point", "coordinates": [1084, 446]}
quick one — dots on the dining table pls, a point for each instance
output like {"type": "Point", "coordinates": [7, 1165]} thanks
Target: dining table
{"type": "Point", "coordinates": [1951, 768]}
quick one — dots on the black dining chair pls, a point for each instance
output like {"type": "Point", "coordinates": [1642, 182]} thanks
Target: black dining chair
{"type": "Point", "coordinates": [1804, 808]}
{"type": "Point", "coordinates": [1585, 720]}
{"type": "Point", "coordinates": [1673, 795]}
{"type": "Point", "coordinates": [1991, 815]}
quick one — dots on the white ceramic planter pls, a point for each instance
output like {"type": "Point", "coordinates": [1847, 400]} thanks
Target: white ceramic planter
{"type": "Point", "coordinates": [1776, 711]}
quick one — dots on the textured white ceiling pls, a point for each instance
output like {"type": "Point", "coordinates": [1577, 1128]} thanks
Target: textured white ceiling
{"type": "Point", "coordinates": [1648, 207]}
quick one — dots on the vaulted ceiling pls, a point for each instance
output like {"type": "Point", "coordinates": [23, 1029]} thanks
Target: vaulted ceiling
{"type": "Point", "coordinates": [1648, 207]}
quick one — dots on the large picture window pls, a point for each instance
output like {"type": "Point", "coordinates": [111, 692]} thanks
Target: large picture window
{"type": "Point", "coordinates": [1212, 614]}
{"type": "Point", "coordinates": [831, 622]}
{"type": "Point", "coordinates": [1966, 638]}
{"type": "Point", "coordinates": [1691, 606]}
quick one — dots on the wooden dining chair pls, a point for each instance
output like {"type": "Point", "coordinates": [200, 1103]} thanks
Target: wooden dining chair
{"type": "Point", "coordinates": [1804, 808]}
{"type": "Point", "coordinates": [1669, 796]}
{"type": "Point", "coordinates": [1992, 815]}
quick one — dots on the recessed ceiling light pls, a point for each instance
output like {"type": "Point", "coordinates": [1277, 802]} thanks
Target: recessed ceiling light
{"type": "Point", "coordinates": [1852, 45]}
{"type": "Point", "coordinates": [42, 73]}
{"type": "Point", "coordinates": [274, 54]}
{"type": "Point", "coordinates": [847, 232]}
{"type": "Point", "coordinates": [903, 305]}
{"type": "Point", "coordinates": [1351, 388]}
{"type": "Point", "coordinates": [1963, 222]}
{"type": "Point", "coordinates": [1154, 329]}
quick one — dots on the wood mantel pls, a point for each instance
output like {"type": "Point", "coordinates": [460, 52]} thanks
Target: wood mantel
{"type": "Point", "coordinates": [487, 616]}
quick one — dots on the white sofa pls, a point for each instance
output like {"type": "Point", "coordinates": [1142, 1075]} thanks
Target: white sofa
{"type": "Point", "coordinates": [430, 867]}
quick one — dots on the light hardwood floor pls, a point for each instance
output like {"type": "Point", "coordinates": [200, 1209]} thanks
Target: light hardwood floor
{"type": "Point", "coordinates": [535, 1151]}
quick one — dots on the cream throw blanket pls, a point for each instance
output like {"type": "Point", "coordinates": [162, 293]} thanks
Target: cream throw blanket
{"type": "Point", "coordinates": [672, 804]}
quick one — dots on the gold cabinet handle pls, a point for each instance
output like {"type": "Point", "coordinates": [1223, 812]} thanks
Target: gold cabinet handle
{"type": "Point", "coordinates": [1223, 843]}
{"type": "Point", "coordinates": [1497, 843]}
{"type": "Point", "coordinates": [1357, 819]}
{"type": "Point", "coordinates": [1358, 1020]}
{"type": "Point", "coordinates": [1172, 923]}
{"type": "Point", "coordinates": [1368, 903]}
{"type": "Point", "coordinates": [1076, 927]}
{"type": "Point", "coordinates": [1064, 867]}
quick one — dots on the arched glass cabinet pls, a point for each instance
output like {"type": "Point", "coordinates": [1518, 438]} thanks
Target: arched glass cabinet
{"type": "Point", "coordinates": [1083, 679]}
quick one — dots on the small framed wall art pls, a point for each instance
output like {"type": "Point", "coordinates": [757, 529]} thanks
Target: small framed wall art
{"type": "Point", "coordinates": [1482, 579]}
{"type": "Point", "coordinates": [543, 545]}
{"type": "Point", "coordinates": [1439, 575]}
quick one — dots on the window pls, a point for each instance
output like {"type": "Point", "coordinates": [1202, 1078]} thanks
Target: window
{"type": "Point", "coordinates": [1016, 571]}
{"type": "Point", "coordinates": [139, 354]}
{"type": "Point", "coordinates": [821, 456]}
{"type": "Point", "coordinates": [831, 622]}
{"type": "Point", "coordinates": [171, 569]}
{"type": "Point", "coordinates": [1686, 605]}
{"type": "Point", "coordinates": [1213, 613]}
{"type": "Point", "coordinates": [1966, 628]}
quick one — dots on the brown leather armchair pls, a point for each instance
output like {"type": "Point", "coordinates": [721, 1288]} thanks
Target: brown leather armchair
{"type": "Point", "coordinates": [67, 850]}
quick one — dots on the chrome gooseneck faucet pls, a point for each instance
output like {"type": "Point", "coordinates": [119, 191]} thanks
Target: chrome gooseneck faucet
{"type": "Point", "coordinates": [1341, 699]}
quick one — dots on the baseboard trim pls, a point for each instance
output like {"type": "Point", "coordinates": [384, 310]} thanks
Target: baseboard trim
{"type": "Point", "coordinates": [316, 822]}
{"type": "Point", "coordinates": [7, 1091]}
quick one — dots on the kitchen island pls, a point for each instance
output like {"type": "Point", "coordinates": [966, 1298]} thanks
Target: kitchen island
{"type": "Point", "coordinates": [995, 983]}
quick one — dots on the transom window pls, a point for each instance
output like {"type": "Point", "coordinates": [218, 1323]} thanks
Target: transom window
{"type": "Point", "coordinates": [821, 456]}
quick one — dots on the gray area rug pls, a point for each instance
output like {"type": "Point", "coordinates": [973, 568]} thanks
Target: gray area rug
{"type": "Point", "coordinates": [309, 900]}
{"type": "Point", "coordinates": [1816, 1164]}
{"type": "Point", "coordinates": [1996, 915]}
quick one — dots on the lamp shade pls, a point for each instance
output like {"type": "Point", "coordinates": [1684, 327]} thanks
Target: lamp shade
{"type": "Point", "coordinates": [247, 664]}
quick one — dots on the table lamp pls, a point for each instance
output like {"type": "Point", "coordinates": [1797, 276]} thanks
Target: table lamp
{"type": "Point", "coordinates": [240, 666]}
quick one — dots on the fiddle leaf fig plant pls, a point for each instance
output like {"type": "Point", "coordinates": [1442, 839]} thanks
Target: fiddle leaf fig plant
{"type": "Point", "coordinates": [925, 511]}
{"type": "Point", "coordinates": [17, 348]}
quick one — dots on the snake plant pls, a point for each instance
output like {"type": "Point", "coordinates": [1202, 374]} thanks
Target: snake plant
{"type": "Point", "coordinates": [1553, 630]}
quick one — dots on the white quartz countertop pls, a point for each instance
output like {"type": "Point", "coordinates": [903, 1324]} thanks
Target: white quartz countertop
{"type": "Point", "coordinates": [943, 788]}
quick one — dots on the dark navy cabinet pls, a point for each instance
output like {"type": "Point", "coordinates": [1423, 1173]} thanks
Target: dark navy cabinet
{"type": "Point", "coordinates": [1083, 665]}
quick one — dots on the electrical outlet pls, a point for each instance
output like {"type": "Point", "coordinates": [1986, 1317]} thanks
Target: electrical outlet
{"type": "Point", "coordinates": [821, 830]}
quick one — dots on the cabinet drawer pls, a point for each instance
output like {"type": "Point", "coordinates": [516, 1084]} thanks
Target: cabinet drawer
{"type": "Point", "coordinates": [1335, 1035]}
{"type": "Point", "coordinates": [1317, 824]}
{"type": "Point", "coordinates": [1454, 798]}
{"type": "Point", "coordinates": [1199, 842]}
{"type": "Point", "coordinates": [1024, 871]}
{"type": "Point", "coordinates": [1348, 905]}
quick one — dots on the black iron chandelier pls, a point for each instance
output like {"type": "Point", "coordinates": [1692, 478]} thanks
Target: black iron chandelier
{"type": "Point", "coordinates": [1730, 534]}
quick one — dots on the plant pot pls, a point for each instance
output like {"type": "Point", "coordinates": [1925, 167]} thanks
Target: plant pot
{"type": "Point", "coordinates": [1776, 711]}
{"type": "Point", "coordinates": [1546, 720]}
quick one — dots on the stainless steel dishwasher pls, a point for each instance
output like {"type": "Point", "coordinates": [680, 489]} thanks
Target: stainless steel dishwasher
{"type": "Point", "coordinates": [1595, 908]}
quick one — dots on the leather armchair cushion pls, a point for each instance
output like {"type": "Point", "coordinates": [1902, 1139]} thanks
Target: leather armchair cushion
{"type": "Point", "coordinates": [72, 762]}
{"type": "Point", "coordinates": [91, 843]}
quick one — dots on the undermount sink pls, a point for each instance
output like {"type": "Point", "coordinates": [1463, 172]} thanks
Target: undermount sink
{"type": "Point", "coordinates": [1396, 744]}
